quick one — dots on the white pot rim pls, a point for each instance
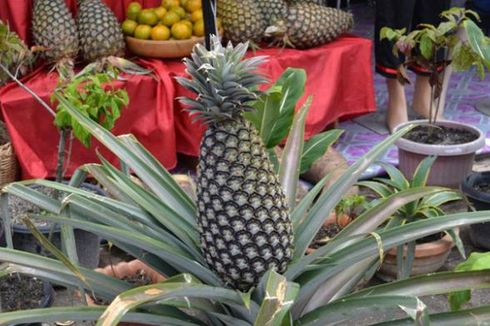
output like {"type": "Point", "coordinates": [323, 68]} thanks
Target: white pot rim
{"type": "Point", "coordinates": [442, 150]}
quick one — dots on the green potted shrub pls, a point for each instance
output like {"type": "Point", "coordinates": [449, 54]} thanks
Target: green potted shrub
{"type": "Point", "coordinates": [159, 224]}
{"type": "Point", "coordinates": [425, 255]}
{"type": "Point", "coordinates": [455, 44]}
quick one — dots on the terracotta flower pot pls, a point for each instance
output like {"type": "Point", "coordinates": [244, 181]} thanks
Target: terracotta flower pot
{"type": "Point", "coordinates": [128, 269]}
{"type": "Point", "coordinates": [429, 257]}
{"type": "Point", "coordinates": [453, 163]}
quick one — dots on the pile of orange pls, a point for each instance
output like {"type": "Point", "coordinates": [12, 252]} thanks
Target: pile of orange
{"type": "Point", "coordinates": [173, 19]}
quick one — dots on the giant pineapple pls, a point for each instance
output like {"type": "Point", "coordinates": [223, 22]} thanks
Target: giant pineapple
{"type": "Point", "coordinates": [99, 31]}
{"type": "Point", "coordinates": [54, 29]}
{"type": "Point", "coordinates": [242, 20]}
{"type": "Point", "coordinates": [243, 217]}
{"type": "Point", "coordinates": [15, 56]}
{"type": "Point", "coordinates": [307, 25]}
{"type": "Point", "coordinates": [272, 10]}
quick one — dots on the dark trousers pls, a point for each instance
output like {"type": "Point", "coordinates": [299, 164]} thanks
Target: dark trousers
{"type": "Point", "coordinates": [400, 14]}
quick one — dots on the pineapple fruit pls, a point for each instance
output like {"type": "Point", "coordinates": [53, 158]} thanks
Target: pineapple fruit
{"type": "Point", "coordinates": [242, 20]}
{"type": "Point", "coordinates": [272, 10]}
{"type": "Point", "coordinates": [15, 56]}
{"type": "Point", "coordinates": [99, 31]}
{"type": "Point", "coordinates": [308, 25]}
{"type": "Point", "coordinates": [243, 216]}
{"type": "Point", "coordinates": [54, 30]}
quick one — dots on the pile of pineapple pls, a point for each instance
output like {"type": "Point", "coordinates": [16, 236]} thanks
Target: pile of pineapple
{"type": "Point", "coordinates": [173, 19]}
{"type": "Point", "coordinates": [295, 23]}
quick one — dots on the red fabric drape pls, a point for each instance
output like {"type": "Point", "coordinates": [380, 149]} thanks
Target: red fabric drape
{"type": "Point", "coordinates": [339, 77]}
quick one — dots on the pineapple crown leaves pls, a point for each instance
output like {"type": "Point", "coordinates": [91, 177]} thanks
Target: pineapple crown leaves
{"type": "Point", "coordinates": [224, 82]}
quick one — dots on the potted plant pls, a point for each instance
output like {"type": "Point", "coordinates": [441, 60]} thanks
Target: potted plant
{"type": "Point", "coordinates": [99, 101]}
{"type": "Point", "coordinates": [455, 44]}
{"type": "Point", "coordinates": [476, 187]}
{"type": "Point", "coordinates": [425, 255]}
{"type": "Point", "coordinates": [158, 225]}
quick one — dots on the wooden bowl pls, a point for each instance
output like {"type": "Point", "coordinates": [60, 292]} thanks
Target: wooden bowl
{"type": "Point", "coordinates": [162, 49]}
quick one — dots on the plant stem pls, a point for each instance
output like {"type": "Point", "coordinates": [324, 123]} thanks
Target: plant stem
{"type": "Point", "coordinates": [28, 90]}
{"type": "Point", "coordinates": [61, 154]}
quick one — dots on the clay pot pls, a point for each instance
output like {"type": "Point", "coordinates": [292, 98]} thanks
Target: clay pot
{"type": "Point", "coordinates": [429, 257]}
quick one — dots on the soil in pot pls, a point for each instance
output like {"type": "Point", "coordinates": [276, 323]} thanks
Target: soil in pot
{"type": "Point", "coordinates": [440, 135]}
{"type": "Point", "coordinates": [20, 292]}
{"type": "Point", "coordinates": [327, 232]}
{"type": "Point", "coordinates": [483, 187]}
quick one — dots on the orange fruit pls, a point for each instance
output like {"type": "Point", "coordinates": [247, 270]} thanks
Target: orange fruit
{"type": "Point", "coordinates": [134, 9]}
{"type": "Point", "coordinates": [169, 3]}
{"type": "Point", "coordinates": [160, 12]}
{"type": "Point", "coordinates": [142, 32]}
{"type": "Point", "coordinates": [179, 10]}
{"type": "Point", "coordinates": [170, 18]}
{"type": "Point", "coordinates": [128, 26]}
{"type": "Point", "coordinates": [181, 31]}
{"type": "Point", "coordinates": [196, 15]}
{"type": "Point", "coordinates": [187, 22]}
{"type": "Point", "coordinates": [183, 2]}
{"type": "Point", "coordinates": [198, 29]}
{"type": "Point", "coordinates": [160, 33]}
{"type": "Point", "coordinates": [193, 5]}
{"type": "Point", "coordinates": [148, 17]}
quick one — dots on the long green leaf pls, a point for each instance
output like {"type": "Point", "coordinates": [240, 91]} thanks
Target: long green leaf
{"type": "Point", "coordinates": [188, 288]}
{"type": "Point", "coordinates": [171, 255]}
{"type": "Point", "coordinates": [327, 201]}
{"type": "Point", "coordinates": [340, 311]}
{"type": "Point", "coordinates": [147, 174]}
{"type": "Point", "coordinates": [289, 169]}
{"type": "Point", "coordinates": [370, 246]}
{"type": "Point", "coordinates": [279, 295]}
{"type": "Point", "coordinates": [91, 313]}
{"type": "Point", "coordinates": [54, 270]}
{"type": "Point", "coordinates": [475, 316]}
{"type": "Point", "coordinates": [316, 147]}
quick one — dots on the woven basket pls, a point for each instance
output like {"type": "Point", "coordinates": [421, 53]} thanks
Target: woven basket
{"type": "Point", "coordinates": [8, 161]}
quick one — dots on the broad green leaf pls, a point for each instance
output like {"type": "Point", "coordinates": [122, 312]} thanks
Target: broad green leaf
{"type": "Point", "coordinates": [476, 262]}
{"type": "Point", "coordinates": [316, 147]}
{"type": "Point", "coordinates": [328, 200]}
{"type": "Point", "coordinates": [289, 170]}
{"type": "Point", "coordinates": [279, 295]}
{"type": "Point", "coordinates": [339, 311]}
{"type": "Point", "coordinates": [477, 40]}
{"type": "Point", "coordinates": [426, 47]}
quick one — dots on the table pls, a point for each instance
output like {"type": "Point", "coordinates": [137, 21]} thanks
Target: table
{"type": "Point", "coordinates": [339, 74]}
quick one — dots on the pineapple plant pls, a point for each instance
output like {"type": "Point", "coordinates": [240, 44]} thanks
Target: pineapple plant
{"type": "Point", "coordinates": [15, 56]}
{"type": "Point", "coordinates": [243, 215]}
{"type": "Point", "coordinates": [99, 31]}
{"type": "Point", "coordinates": [307, 25]}
{"type": "Point", "coordinates": [54, 30]}
{"type": "Point", "coordinates": [242, 20]}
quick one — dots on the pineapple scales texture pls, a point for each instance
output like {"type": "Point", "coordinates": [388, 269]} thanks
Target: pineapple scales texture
{"type": "Point", "coordinates": [309, 25]}
{"type": "Point", "coordinates": [99, 31]}
{"type": "Point", "coordinates": [54, 28]}
{"type": "Point", "coordinates": [272, 10]}
{"type": "Point", "coordinates": [243, 217]}
{"type": "Point", "coordinates": [242, 210]}
{"type": "Point", "coordinates": [242, 20]}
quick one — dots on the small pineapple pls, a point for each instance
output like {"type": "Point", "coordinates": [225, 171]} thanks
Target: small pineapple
{"type": "Point", "coordinates": [243, 217]}
{"type": "Point", "coordinates": [15, 56]}
{"type": "Point", "coordinates": [54, 29]}
{"type": "Point", "coordinates": [308, 25]}
{"type": "Point", "coordinates": [242, 20]}
{"type": "Point", "coordinates": [99, 31]}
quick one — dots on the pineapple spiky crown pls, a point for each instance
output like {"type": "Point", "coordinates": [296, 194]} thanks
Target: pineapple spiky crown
{"type": "Point", "coordinates": [224, 82]}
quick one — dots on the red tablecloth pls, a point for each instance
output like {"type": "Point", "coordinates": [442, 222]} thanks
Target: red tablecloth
{"type": "Point", "coordinates": [339, 77]}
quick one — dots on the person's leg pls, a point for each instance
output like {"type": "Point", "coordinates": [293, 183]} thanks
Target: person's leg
{"type": "Point", "coordinates": [426, 12]}
{"type": "Point", "coordinates": [395, 14]}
